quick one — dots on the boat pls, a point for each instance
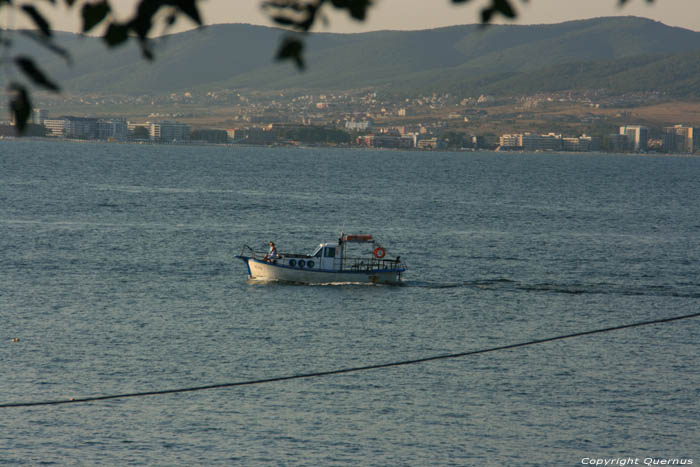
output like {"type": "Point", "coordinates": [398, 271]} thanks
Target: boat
{"type": "Point", "coordinates": [331, 262]}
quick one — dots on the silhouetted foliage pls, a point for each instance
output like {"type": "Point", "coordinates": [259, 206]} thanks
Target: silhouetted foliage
{"type": "Point", "coordinates": [20, 106]}
{"type": "Point", "coordinates": [93, 14]}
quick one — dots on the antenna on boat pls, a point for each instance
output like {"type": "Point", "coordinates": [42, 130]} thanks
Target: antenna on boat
{"type": "Point", "coordinates": [341, 244]}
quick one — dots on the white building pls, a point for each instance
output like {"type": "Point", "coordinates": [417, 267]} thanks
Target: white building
{"type": "Point", "coordinates": [167, 131]}
{"type": "Point", "coordinates": [637, 136]}
{"type": "Point", "coordinates": [55, 127]}
{"type": "Point", "coordinates": [514, 141]}
{"type": "Point", "coordinates": [113, 129]}
{"type": "Point", "coordinates": [87, 128]}
{"type": "Point", "coordinates": [357, 126]}
{"type": "Point", "coordinates": [72, 127]}
{"type": "Point", "coordinates": [531, 142]}
{"type": "Point", "coordinates": [679, 138]}
{"type": "Point", "coordinates": [583, 143]}
{"type": "Point", "coordinates": [39, 115]}
{"type": "Point", "coordinates": [548, 142]}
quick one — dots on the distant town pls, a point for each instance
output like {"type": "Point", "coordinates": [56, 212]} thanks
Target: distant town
{"type": "Point", "coordinates": [436, 122]}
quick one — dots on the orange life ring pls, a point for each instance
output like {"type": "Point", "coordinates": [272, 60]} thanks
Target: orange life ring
{"type": "Point", "coordinates": [379, 252]}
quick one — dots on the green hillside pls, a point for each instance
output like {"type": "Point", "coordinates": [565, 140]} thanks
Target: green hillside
{"type": "Point", "coordinates": [620, 54]}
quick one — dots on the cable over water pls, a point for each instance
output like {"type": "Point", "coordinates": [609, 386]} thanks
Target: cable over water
{"type": "Point", "coordinates": [348, 370]}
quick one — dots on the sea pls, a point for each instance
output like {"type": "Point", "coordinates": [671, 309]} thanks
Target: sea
{"type": "Point", "coordinates": [118, 275]}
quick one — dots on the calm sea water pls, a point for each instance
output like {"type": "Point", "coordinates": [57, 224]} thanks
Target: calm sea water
{"type": "Point", "coordinates": [117, 274]}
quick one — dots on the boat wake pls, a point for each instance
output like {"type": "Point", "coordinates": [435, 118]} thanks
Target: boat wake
{"type": "Point", "coordinates": [508, 285]}
{"type": "Point", "coordinates": [433, 285]}
{"type": "Point", "coordinates": [320, 284]}
{"type": "Point", "coordinates": [684, 291]}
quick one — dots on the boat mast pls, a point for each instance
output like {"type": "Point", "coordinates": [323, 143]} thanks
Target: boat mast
{"type": "Point", "coordinates": [342, 250]}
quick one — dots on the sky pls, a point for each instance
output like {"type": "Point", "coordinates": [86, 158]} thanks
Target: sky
{"type": "Point", "coordinates": [410, 14]}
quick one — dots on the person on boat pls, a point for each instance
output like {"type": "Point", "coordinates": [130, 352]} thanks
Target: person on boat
{"type": "Point", "coordinates": [271, 253]}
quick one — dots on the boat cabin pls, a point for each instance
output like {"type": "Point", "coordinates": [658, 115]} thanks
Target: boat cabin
{"type": "Point", "coordinates": [330, 256]}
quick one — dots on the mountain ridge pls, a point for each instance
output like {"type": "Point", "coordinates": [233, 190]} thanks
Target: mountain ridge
{"type": "Point", "coordinates": [619, 53]}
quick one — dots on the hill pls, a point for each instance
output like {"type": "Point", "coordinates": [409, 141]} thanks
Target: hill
{"type": "Point", "coordinates": [621, 54]}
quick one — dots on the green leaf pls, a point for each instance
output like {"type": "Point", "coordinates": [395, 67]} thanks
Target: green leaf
{"type": "Point", "coordinates": [189, 7]}
{"type": "Point", "coordinates": [142, 22]}
{"type": "Point", "coordinates": [48, 43]}
{"type": "Point", "coordinates": [356, 8]}
{"type": "Point", "coordinates": [35, 74]}
{"type": "Point", "coordinates": [38, 19]}
{"type": "Point", "coordinates": [283, 4]}
{"type": "Point", "coordinates": [116, 34]}
{"type": "Point", "coordinates": [302, 17]}
{"type": "Point", "coordinates": [20, 106]}
{"type": "Point", "coordinates": [504, 7]}
{"type": "Point", "coordinates": [147, 49]}
{"type": "Point", "coordinates": [283, 20]}
{"type": "Point", "coordinates": [93, 14]}
{"type": "Point", "coordinates": [498, 6]}
{"type": "Point", "coordinates": [291, 49]}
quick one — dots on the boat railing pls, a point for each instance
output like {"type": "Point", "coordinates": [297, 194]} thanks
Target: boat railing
{"type": "Point", "coordinates": [372, 264]}
{"type": "Point", "coordinates": [292, 255]}
{"type": "Point", "coordinates": [251, 253]}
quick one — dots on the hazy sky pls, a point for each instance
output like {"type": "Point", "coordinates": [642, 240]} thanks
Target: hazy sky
{"type": "Point", "coordinates": [422, 14]}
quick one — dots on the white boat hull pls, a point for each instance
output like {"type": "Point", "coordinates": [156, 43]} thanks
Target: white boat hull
{"type": "Point", "coordinates": [264, 271]}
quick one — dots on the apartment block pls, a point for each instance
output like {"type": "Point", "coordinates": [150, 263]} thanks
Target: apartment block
{"type": "Point", "coordinates": [168, 131]}
{"type": "Point", "coordinates": [637, 137]}
{"type": "Point", "coordinates": [679, 139]}
{"type": "Point", "coordinates": [39, 116]}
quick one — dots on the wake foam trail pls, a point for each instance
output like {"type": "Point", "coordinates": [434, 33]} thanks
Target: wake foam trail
{"type": "Point", "coordinates": [503, 284]}
{"type": "Point", "coordinates": [611, 289]}
{"type": "Point", "coordinates": [432, 285]}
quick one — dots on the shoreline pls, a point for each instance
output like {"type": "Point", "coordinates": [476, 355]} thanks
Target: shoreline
{"type": "Point", "coordinates": [272, 146]}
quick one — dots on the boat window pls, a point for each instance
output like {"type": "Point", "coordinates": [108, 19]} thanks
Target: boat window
{"type": "Point", "coordinates": [330, 252]}
{"type": "Point", "coordinates": [317, 253]}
